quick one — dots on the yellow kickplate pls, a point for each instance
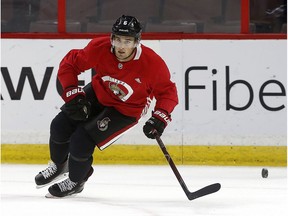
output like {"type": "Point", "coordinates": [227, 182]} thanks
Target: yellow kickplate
{"type": "Point", "coordinates": [152, 155]}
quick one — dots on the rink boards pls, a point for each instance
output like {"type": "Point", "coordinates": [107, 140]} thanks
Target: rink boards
{"type": "Point", "coordinates": [232, 102]}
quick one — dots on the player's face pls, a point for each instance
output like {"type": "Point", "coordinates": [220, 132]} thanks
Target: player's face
{"type": "Point", "coordinates": [124, 47]}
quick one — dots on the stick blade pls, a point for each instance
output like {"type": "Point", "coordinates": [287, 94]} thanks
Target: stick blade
{"type": "Point", "coordinates": [204, 191]}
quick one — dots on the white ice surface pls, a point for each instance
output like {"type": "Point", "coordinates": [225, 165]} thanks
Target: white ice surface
{"type": "Point", "coordinates": [149, 191]}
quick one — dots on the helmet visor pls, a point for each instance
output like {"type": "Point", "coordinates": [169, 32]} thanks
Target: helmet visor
{"type": "Point", "coordinates": [123, 42]}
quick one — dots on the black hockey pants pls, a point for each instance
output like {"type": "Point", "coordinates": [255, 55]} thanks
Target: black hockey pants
{"type": "Point", "coordinates": [78, 139]}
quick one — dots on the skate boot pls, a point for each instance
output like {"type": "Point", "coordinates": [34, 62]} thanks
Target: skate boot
{"type": "Point", "coordinates": [51, 174]}
{"type": "Point", "coordinates": [67, 187]}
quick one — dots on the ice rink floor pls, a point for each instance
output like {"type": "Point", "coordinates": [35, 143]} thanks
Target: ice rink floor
{"type": "Point", "coordinates": [120, 190]}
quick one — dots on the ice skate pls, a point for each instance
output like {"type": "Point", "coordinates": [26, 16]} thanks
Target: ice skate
{"type": "Point", "coordinates": [67, 187]}
{"type": "Point", "coordinates": [51, 174]}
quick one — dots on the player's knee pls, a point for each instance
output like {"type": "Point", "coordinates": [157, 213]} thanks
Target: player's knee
{"type": "Point", "coordinates": [60, 131]}
{"type": "Point", "coordinates": [81, 144]}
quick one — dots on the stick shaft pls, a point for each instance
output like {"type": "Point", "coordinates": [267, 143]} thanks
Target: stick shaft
{"type": "Point", "coordinates": [172, 165]}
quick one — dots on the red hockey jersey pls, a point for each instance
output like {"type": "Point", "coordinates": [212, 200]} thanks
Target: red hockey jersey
{"type": "Point", "coordinates": [129, 86]}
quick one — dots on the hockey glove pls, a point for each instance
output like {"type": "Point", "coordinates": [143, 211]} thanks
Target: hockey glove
{"type": "Point", "coordinates": [76, 106]}
{"type": "Point", "coordinates": [157, 123]}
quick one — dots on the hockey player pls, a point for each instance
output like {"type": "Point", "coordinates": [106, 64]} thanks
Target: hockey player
{"type": "Point", "coordinates": [128, 76]}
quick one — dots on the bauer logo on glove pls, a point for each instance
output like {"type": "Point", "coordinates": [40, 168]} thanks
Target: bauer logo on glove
{"type": "Point", "coordinates": [74, 91]}
{"type": "Point", "coordinates": [76, 105]}
{"type": "Point", "coordinates": [162, 115]}
{"type": "Point", "coordinates": [157, 122]}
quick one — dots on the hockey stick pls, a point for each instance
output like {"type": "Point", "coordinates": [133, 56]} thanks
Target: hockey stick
{"type": "Point", "coordinates": [190, 195]}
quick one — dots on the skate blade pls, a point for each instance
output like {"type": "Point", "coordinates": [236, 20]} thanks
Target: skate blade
{"type": "Point", "coordinates": [50, 196]}
{"type": "Point", "coordinates": [52, 182]}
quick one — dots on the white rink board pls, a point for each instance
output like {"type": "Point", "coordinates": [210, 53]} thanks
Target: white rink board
{"type": "Point", "coordinates": [256, 67]}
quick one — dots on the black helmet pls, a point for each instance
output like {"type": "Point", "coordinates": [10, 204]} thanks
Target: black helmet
{"type": "Point", "coordinates": [127, 26]}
